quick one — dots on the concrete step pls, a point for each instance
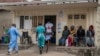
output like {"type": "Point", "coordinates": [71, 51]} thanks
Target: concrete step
{"type": "Point", "coordinates": [21, 46]}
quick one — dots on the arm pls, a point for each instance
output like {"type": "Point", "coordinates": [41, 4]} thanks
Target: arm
{"type": "Point", "coordinates": [36, 34]}
{"type": "Point", "coordinates": [83, 33]}
{"type": "Point", "coordinates": [17, 33]}
{"type": "Point", "coordinates": [87, 34]}
{"type": "Point", "coordinates": [8, 32]}
{"type": "Point", "coordinates": [77, 33]}
{"type": "Point", "coordinates": [93, 33]}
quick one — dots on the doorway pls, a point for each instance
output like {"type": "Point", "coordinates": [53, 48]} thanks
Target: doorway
{"type": "Point", "coordinates": [52, 19]}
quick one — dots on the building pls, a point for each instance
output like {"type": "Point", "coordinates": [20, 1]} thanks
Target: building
{"type": "Point", "coordinates": [27, 15]}
{"type": "Point", "coordinates": [16, 0]}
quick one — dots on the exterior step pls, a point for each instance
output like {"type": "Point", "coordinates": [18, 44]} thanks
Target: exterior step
{"type": "Point", "coordinates": [21, 46]}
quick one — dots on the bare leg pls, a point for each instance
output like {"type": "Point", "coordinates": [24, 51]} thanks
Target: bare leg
{"type": "Point", "coordinates": [47, 46]}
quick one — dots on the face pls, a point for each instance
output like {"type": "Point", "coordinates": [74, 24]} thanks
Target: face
{"type": "Point", "coordinates": [90, 28]}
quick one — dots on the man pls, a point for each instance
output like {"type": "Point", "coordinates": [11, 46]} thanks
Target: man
{"type": "Point", "coordinates": [40, 30]}
{"type": "Point", "coordinates": [81, 35]}
{"type": "Point", "coordinates": [49, 33]}
{"type": "Point", "coordinates": [13, 33]}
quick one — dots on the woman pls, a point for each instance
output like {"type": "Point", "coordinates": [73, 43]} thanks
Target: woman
{"type": "Point", "coordinates": [72, 33]}
{"type": "Point", "coordinates": [49, 34]}
{"type": "Point", "coordinates": [90, 35]}
{"type": "Point", "coordinates": [65, 34]}
{"type": "Point", "coordinates": [40, 30]}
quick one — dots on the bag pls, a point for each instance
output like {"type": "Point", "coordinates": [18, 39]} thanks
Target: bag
{"type": "Point", "coordinates": [70, 40]}
{"type": "Point", "coordinates": [66, 42]}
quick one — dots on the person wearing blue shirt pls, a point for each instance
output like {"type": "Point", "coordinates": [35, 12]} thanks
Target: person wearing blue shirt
{"type": "Point", "coordinates": [40, 30]}
{"type": "Point", "coordinates": [13, 34]}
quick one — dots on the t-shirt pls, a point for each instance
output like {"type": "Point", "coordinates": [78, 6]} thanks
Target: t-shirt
{"type": "Point", "coordinates": [49, 27]}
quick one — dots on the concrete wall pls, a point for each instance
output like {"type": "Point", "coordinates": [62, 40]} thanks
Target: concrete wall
{"type": "Point", "coordinates": [5, 21]}
{"type": "Point", "coordinates": [98, 27]}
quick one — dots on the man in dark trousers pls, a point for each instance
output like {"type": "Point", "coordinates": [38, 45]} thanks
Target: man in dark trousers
{"type": "Point", "coordinates": [81, 35]}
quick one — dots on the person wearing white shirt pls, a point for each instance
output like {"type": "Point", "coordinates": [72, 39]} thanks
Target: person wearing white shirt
{"type": "Point", "coordinates": [49, 33]}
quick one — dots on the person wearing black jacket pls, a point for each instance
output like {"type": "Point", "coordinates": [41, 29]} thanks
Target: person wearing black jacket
{"type": "Point", "coordinates": [81, 35]}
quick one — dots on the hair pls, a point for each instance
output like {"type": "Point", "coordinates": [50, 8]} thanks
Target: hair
{"type": "Point", "coordinates": [14, 25]}
{"type": "Point", "coordinates": [65, 27]}
{"type": "Point", "coordinates": [39, 24]}
{"type": "Point", "coordinates": [91, 27]}
{"type": "Point", "coordinates": [72, 27]}
{"type": "Point", "coordinates": [80, 27]}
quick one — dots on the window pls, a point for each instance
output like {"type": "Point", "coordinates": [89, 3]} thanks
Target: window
{"type": "Point", "coordinates": [40, 19]}
{"type": "Point", "coordinates": [83, 16]}
{"type": "Point", "coordinates": [26, 17]}
{"type": "Point", "coordinates": [36, 20]}
{"type": "Point", "coordinates": [21, 22]}
{"type": "Point", "coordinates": [70, 16]}
{"type": "Point", "coordinates": [76, 16]}
{"type": "Point", "coordinates": [31, 17]}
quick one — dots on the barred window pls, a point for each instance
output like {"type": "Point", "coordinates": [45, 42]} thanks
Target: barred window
{"type": "Point", "coordinates": [36, 20]}
{"type": "Point", "coordinates": [76, 16]}
{"type": "Point", "coordinates": [21, 22]}
{"type": "Point", "coordinates": [83, 16]}
{"type": "Point", "coordinates": [70, 16]}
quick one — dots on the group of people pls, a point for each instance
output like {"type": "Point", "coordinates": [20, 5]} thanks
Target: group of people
{"type": "Point", "coordinates": [73, 37]}
{"type": "Point", "coordinates": [70, 37]}
{"type": "Point", "coordinates": [43, 36]}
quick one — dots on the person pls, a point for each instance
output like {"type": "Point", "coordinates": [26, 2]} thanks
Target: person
{"type": "Point", "coordinates": [13, 33]}
{"type": "Point", "coordinates": [72, 33]}
{"type": "Point", "coordinates": [40, 30]}
{"type": "Point", "coordinates": [81, 35]}
{"type": "Point", "coordinates": [90, 36]}
{"type": "Point", "coordinates": [49, 33]}
{"type": "Point", "coordinates": [72, 30]}
{"type": "Point", "coordinates": [65, 35]}
{"type": "Point", "coordinates": [75, 40]}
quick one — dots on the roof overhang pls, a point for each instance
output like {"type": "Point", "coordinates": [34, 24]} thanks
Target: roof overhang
{"type": "Point", "coordinates": [46, 4]}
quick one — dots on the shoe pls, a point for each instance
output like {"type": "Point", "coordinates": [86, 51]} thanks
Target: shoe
{"type": "Point", "coordinates": [9, 53]}
{"type": "Point", "coordinates": [40, 51]}
{"type": "Point", "coordinates": [16, 52]}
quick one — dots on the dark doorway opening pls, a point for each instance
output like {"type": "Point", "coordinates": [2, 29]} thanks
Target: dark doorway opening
{"type": "Point", "coordinates": [52, 19]}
